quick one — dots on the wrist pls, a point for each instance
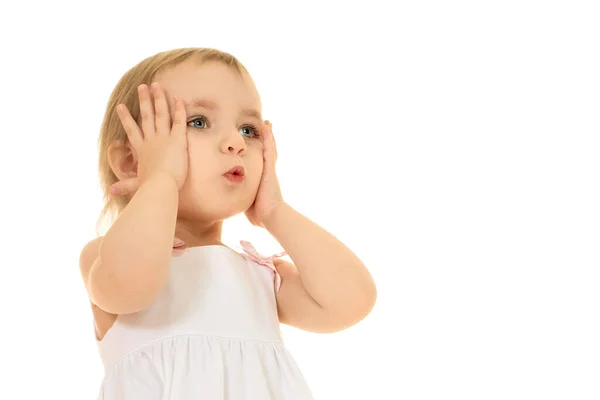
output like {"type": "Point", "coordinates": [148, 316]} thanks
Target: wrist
{"type": "Point", "coordinates": [273, 215]}
{"type": "Point", "coordinates": [159, 177]}
{"type": "Point", "coordinates": [161, 180]}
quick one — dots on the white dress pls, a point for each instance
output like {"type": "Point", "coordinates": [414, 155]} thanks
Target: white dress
{"type": "Point", "coordinates": [212, 334]}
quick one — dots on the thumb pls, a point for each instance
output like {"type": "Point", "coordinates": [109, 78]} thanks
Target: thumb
{"type": "Point", "coordinates": [125, 187]}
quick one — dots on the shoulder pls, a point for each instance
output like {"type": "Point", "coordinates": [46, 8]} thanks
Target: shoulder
{"type": "Point", "coordinates": [103, 320]}
{"type": "Point", "coordinates": [88, 256]}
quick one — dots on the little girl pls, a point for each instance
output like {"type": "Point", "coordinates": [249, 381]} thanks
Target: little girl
{"type": "Point", "coordinates": [178, 315]}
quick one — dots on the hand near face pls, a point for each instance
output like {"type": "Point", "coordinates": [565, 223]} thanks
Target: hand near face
{"type": "Point", "coordinates": [269, 193]}
{"type": "Point", "coordinates": [161, 144]}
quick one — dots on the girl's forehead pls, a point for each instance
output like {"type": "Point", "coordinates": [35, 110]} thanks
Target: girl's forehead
{"type": "Point", "coordinates": [212, 81]}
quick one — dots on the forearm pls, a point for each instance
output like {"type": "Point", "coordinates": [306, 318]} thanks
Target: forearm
{"type": "Point", "coordinates": [330, 272]}
{"type": "Point", "coordinates": [134, 254]}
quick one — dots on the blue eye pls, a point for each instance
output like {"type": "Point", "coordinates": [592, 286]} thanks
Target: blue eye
{"type": "Point", "coordinates": [249, 131]}
{"type": "Point", "coordinates": [199, 123]}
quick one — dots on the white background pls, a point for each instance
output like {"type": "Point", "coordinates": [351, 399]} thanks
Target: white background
{"type": "Point", "coordinates": [452, 145]}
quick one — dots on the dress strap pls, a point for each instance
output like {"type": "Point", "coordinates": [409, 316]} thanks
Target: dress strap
{"type": "Point", "coordinates": [250, 253]}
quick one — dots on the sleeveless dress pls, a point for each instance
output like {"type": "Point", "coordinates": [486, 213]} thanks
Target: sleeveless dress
{"type": "Point", "coordinates": [213, 333]}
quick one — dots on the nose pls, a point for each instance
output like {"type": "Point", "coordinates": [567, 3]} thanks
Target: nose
{"type": "Point", "coordinates": [233, 143]}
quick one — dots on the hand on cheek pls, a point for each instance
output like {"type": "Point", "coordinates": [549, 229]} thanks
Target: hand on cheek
{"type": "Point", "coordinates": [269, 194]}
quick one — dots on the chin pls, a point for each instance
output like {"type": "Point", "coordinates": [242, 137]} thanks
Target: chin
{"type": "Point", "coordinates": [205, 210]}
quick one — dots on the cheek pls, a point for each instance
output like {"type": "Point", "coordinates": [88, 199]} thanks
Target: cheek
{"type": "Point", "coordinates": [255, 167]}
{"type": "Point", "coordinates": [201, 161]}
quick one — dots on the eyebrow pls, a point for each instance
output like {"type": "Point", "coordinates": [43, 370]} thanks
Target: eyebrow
{"type": "Point", "coordinates": [211, 105]}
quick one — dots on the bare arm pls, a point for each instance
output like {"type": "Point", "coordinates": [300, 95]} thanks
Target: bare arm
{"type": "Point", "coordinates": [126, 269]}
{"type": "Point", "coordinates": [327, 288]}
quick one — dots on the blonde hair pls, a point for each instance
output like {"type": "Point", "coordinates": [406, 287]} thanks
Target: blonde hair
{"type": "Point", "coordinates": [125, 92]}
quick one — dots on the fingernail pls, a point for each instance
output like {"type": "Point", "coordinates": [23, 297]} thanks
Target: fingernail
{"type": "Point", "coordinates": [178, 242]}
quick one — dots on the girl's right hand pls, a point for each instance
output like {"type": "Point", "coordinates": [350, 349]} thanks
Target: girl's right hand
{"type": "Point", "coordinates": [161, 146]}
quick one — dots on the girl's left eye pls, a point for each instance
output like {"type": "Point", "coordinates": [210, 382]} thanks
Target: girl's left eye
{"type": "Point", "coordinates": [249, 131]}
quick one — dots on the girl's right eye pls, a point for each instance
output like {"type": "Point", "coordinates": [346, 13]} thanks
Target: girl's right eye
{"type": "Point", "coordinates": [199, 123]}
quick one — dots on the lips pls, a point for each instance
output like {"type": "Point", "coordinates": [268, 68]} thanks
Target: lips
{"type": "Point", "coordinates": [235, 174]}
{"type": "Point", "coordinates": [237, 170]}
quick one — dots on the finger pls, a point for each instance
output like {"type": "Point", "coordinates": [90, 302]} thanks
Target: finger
{"type": "Point", "coordinates": [268, 154]}
{"type": "Point", "coordinates": [133, 131]}
{"type": "Point", "coordinates": [125, 187]}
{"type": "Point", "coordinates": [264, 137]}
{"type": "Point", "coordinates": [179, 118]}
{"type": "Point", "coordinates": [269, 142]}
{"type": "Point", "coordinates": [146, 111]}
{"type": "Point", "coordinates": [273, 139]}
{"type": "Point", "coordinates": [161, 109]}
{"type": "Point", "coordinates": [270, 125]}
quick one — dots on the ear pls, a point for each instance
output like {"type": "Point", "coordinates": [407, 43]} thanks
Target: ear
{"type": "Point", "coordinates": [122, 159]}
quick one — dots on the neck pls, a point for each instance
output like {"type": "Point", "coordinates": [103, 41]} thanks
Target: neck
{"type": "Point", "coordinates": [195, 234]}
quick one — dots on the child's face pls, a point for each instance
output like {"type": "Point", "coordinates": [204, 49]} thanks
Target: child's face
{"type": "Point", "coordinates": [220, 136]}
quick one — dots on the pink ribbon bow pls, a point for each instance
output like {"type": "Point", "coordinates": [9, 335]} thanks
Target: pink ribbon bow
{"type": "Point", "coordinates": [253, 255]}
{"type": "Point", "coordinates": [178, 246]}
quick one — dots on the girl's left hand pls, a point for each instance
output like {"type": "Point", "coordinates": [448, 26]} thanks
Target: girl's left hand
{"type": "Point", "coordinates": [269, 193]}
